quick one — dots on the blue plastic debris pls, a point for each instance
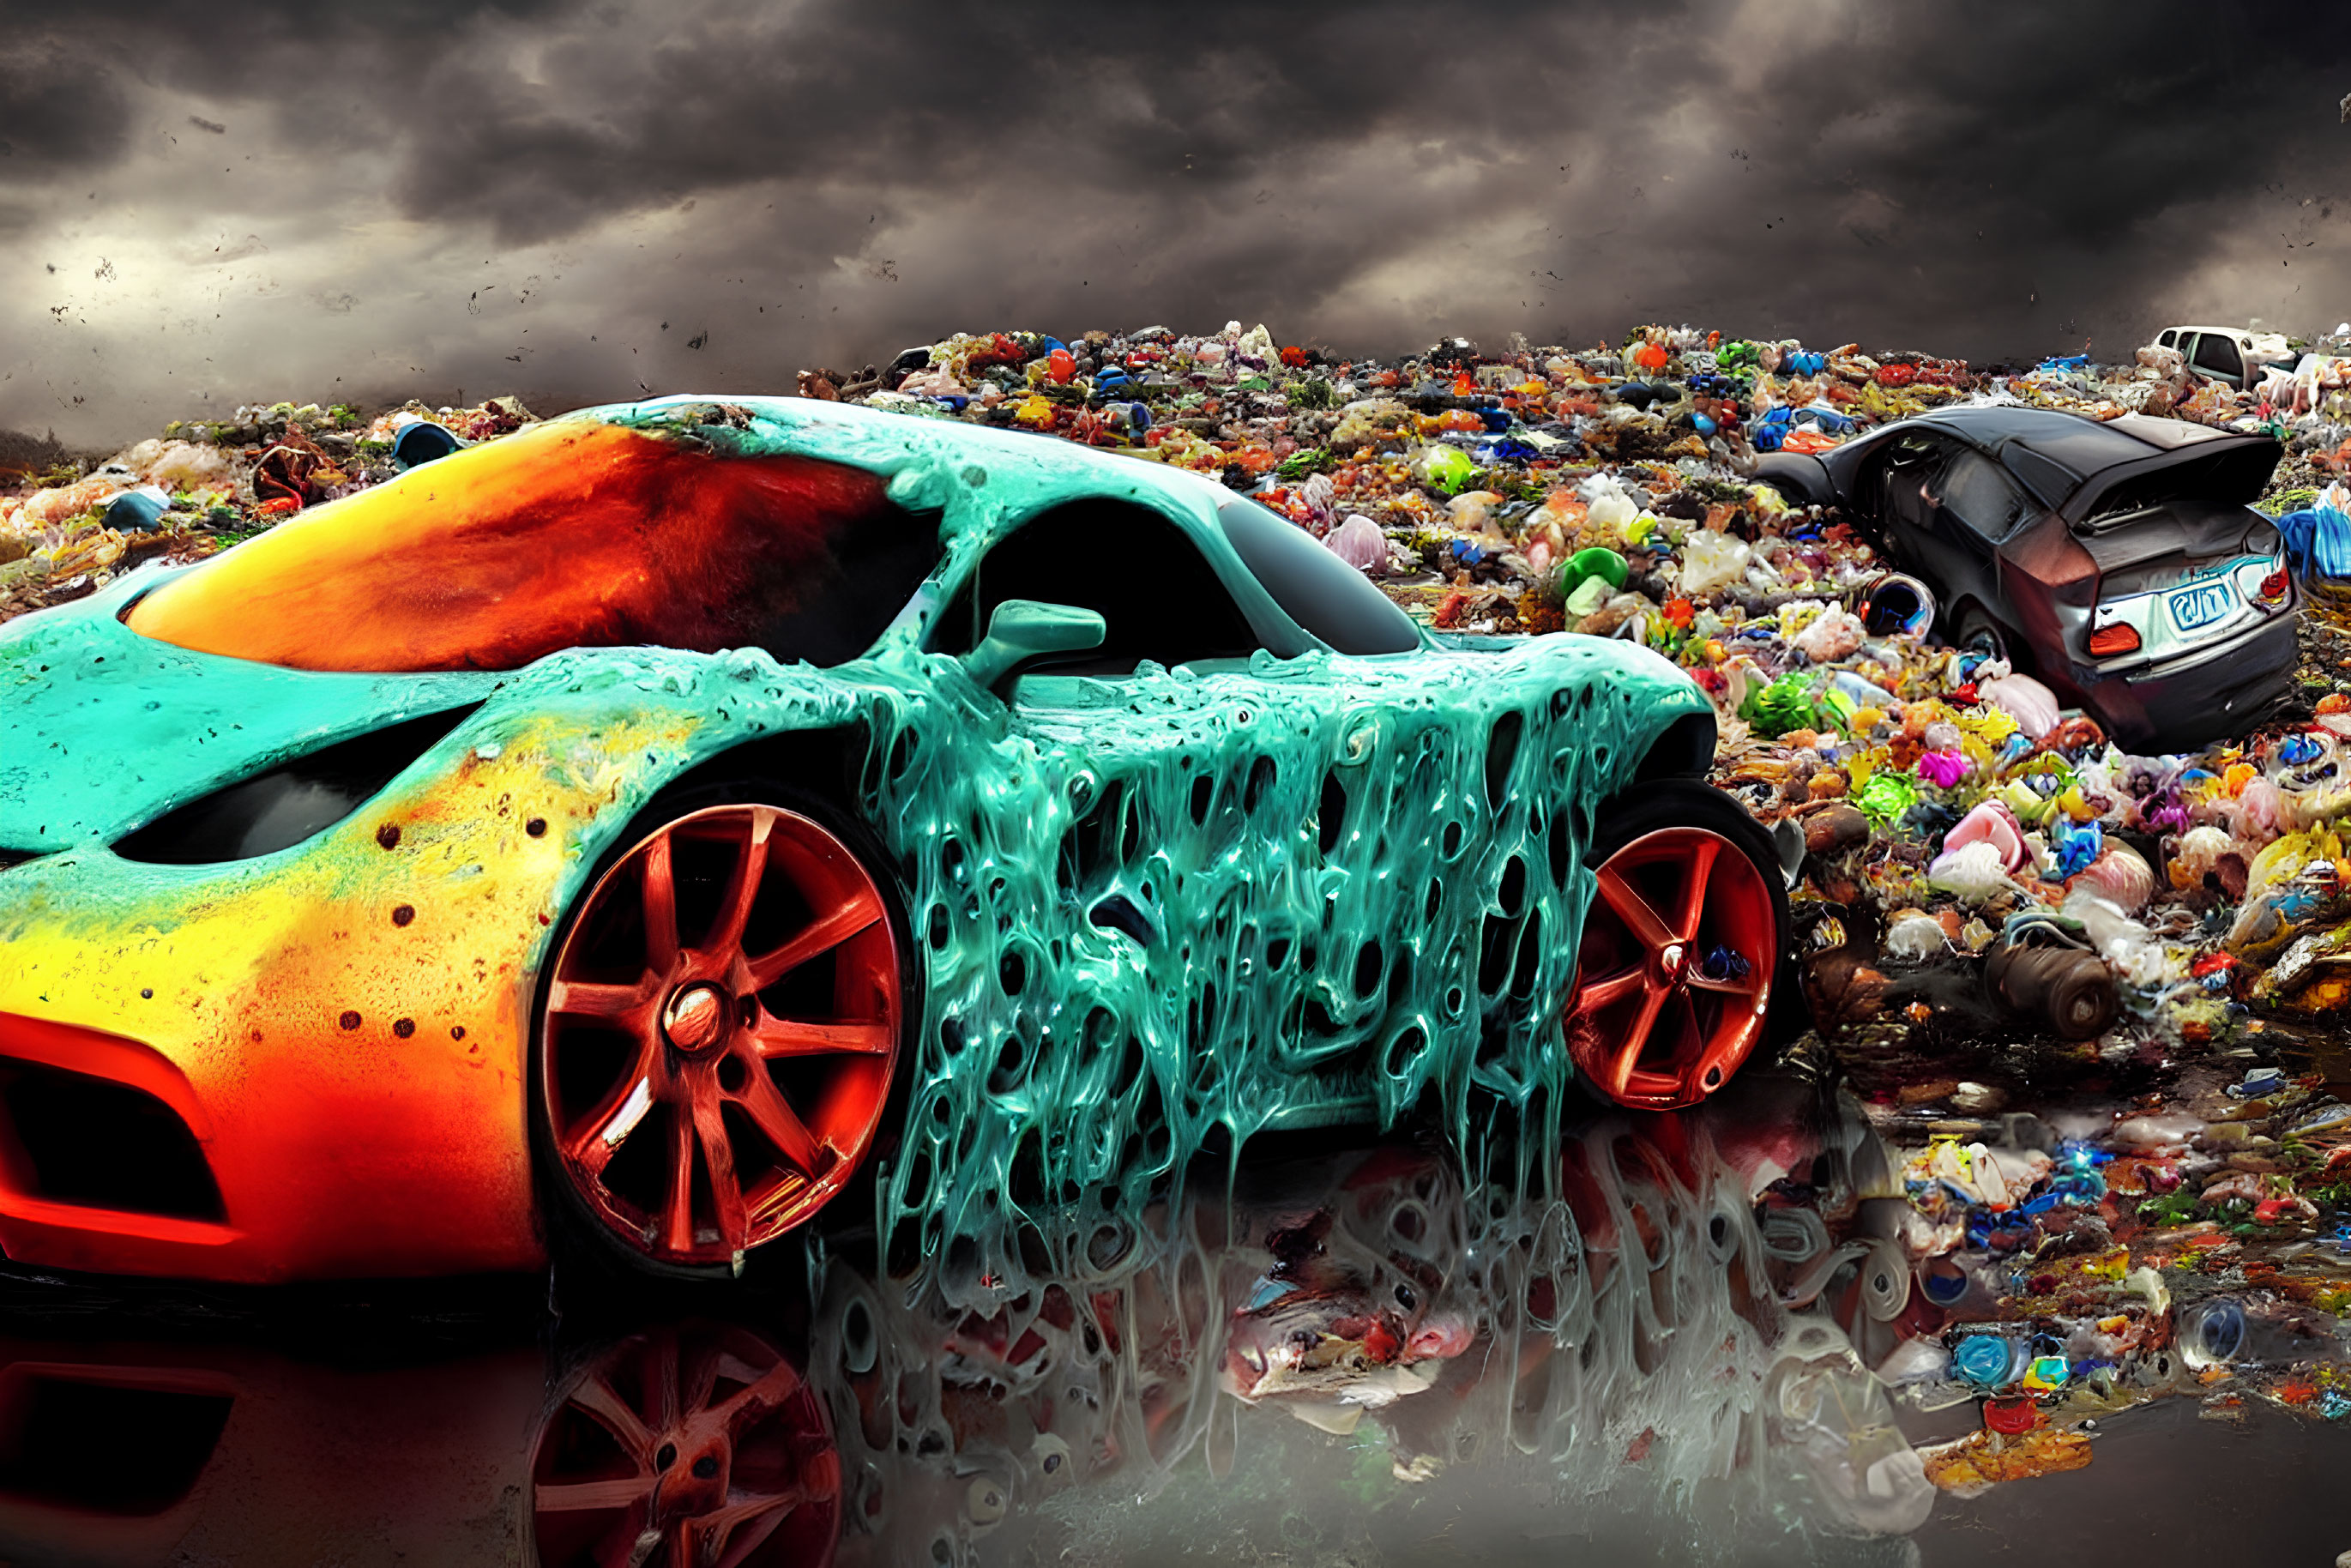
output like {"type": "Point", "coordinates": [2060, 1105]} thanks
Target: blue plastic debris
{"type": "Point", "coordinates": [2318, 542]}
{"type": "Point", "coordinates": [2258, 1083]}
{"type": "Point", "coordinates": [2076, 847]}
{"type": "Point", "coordinates": [1985, 1360]}
{"type": "Point", "coordinates": [135, 511]}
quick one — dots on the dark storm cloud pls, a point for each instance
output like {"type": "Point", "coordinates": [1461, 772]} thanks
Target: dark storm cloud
{"type": "Point", "coordinates": [59, 111]}
{"type": "Point", "coordinates": [827, 180]}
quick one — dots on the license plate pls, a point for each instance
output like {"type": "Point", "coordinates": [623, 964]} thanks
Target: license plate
{"type": "Point", "coordinates": [2202, 605]}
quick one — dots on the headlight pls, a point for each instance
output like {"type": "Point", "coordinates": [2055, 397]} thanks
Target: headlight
{"type": "Point", "coordinates": [280, 808]}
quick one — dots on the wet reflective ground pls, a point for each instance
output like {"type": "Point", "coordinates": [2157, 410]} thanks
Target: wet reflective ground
{"type": "Point", "coordinates": [1657, 1348]}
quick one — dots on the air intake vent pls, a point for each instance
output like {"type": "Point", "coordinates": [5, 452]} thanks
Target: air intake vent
{"type": "Point", "coordinates": [102, 1448]}
{"type": "Point", "coordinates": [104, 1144]}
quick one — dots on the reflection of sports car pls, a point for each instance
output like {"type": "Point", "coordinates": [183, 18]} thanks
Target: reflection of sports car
{"type": "Point", "coordinates": [1077, 803]}
{"type": "Point", "coordinates": [1675, 1293]}
{"type": "Point", "coordinates": [2121, 563]}
{"type": "Point", "coordinates": [1673, 1318]}
{"type": "Point", "coordinates": [681, 1446]}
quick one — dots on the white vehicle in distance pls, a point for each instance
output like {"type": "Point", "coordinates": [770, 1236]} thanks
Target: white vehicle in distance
{"type": "Point", "coordinates": [2231, 354]}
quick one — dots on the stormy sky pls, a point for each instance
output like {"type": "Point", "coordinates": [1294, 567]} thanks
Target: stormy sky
{"type": "Point", "coordinates": [248, 200]}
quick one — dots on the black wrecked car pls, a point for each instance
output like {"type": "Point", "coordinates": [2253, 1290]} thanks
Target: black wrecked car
{"type": "Point", "coordinates": [2119, 562]}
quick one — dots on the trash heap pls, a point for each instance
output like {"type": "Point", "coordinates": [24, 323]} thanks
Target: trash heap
{"type": "Point", "coordinates": [204, 485]}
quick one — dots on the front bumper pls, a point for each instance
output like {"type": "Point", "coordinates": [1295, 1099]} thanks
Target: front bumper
{"type": "Point", "coordinates": [333, 1035]}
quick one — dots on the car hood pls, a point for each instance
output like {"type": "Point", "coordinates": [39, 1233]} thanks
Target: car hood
{"type": "Point", "coordinates": [102, 731]}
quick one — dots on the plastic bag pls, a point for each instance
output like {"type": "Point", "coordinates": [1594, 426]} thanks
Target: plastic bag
{"type": "Point", "coordinates": [1712, 561]}
{"type": "Point", "coordinates": [1833, 634]}
{"type": "Point", "coordinates": [1609, 506]}
{"type": "Point", "coordinates": [2120, 873]}
{"type": "Point", "coordinates": [2318, 538]}
{"type": "Point", "coordinates": [1974, 872]}
{"type": "Point", "coordinates": [1917, 935]}
{"type": "Point", "coordinates": [2033, 706]}
{"type": "Point", "coordinates": [1359, 542]}
{"type": "Point", "coordinates": [2130, 949]}
{"type": "Point", "coordinates": [1991, 823]}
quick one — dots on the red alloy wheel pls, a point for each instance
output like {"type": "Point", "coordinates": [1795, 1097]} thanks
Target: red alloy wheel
{"type": "Point", "coordinates": [722, 1027]}
{"type": "Point", "coordinates": [688, 1447]}
{"type": "Point", "coordinates": [1674, 972]}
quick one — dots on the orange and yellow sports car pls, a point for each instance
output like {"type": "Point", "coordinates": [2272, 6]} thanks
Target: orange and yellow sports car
{"type": "Point", "coordinates": [623, 830]}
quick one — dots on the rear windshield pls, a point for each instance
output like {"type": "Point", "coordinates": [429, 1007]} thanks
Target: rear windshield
{"type": "Point", "coordinates": [572, 534]}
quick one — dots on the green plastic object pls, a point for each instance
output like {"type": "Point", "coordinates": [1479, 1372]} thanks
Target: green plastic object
{"type": "Point", "coordinates": [1271, 892]}
{"type": "Point", "coordinates": [1593, 560]}
{"type": "Point", "coordinates": [1887, 796]}
{"type": "Point", "coordinates": [1449, 468]}
{"type": "Point", "coordinates": [1786, 704]}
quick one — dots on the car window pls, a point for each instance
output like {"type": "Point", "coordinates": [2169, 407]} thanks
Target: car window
{"type": "Point", "coordinates": [1910, 458]}
{"type": "Point", "coordinates": [2166, 339]}
{"type": "Point", "coordinates": [2217, 356]}
{"type": "Point", "coordinates": [1157, 595]}
{"type": "Point", "coordinates": [1980, 494]}
{"type": "Point", "coordinates": [1316, 588]}
{"type": "Point", "coordinates": [573, 534]}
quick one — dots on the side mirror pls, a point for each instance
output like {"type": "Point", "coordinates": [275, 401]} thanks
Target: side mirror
{"type": "Point", "coordinates": [1022, 629]}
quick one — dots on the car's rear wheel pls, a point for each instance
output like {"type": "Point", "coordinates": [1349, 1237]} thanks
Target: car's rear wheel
{"type": "Point", "coordinates": [1682, 954]}
{"type": "Point", "coordinates": [719, 1029]}
{"type": "Point", "coordinates": [1976, 629]}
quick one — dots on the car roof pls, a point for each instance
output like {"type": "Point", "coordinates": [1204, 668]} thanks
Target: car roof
{"type": "Point", "coordinates": [2082, 444]}
{"type": "Point", "coordinates": [2092, 458]}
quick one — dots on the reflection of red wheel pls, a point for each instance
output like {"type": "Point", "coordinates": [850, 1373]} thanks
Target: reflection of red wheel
{"type": "Point", "coordinates": [719, 1032]}
{"type": "Point", "coordinates": [695, 1445]}
{"type": "Point", "coordinates": [1680, 948]}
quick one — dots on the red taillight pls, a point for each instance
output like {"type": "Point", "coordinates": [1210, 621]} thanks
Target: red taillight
{"type": "Point", "coordinates": [2273, 586]}
{"type": "Point", "coordinates": [2108, 641]}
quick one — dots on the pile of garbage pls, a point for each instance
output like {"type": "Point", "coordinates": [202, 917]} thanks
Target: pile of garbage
{"type": "Point", "coordinates": [204, 485]}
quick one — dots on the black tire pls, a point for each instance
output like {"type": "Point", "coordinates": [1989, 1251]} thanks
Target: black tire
{"type": "Point", "coordinates": [579, 1248]}
{"type": "Point", "coordinates": [1694, 803]}
{"type": "Point", "coordinates": [1975, 627]}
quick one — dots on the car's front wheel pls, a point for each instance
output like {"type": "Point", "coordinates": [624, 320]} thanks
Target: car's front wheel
{"type": "Point", "coordinates": [719, 1029]}
{"type": "Point", "coordinates": [1682, 954]}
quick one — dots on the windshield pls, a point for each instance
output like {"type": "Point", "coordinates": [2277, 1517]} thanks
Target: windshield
{"type": "Point", "coordinates": [1320, 591]}
{"type": "Point", "coordinates": [567, 535]}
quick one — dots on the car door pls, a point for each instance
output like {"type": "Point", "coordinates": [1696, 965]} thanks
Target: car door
{"type": "Point", "coordinates": [1895, 492]}
{"type": "Point", "coordinates": [1184, 899]}
{"type": "Point", "coordinates": [1975, 504]}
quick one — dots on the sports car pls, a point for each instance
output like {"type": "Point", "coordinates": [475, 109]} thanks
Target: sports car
{"type": "Point", "coordinates": [624, 833]}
